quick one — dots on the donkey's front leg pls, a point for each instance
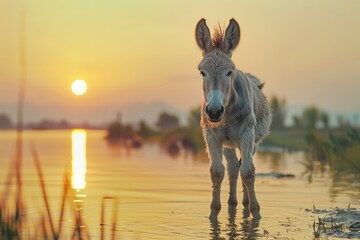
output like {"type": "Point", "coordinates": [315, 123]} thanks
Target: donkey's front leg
{"type": "Point", "coordinates": [247, 169]}
{"type": "Point", "coordinates": [233, 173]}
{"type": "Point", "coordinates": [217, 171]}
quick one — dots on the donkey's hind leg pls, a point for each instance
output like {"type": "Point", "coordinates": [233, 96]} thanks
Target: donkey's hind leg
{"type": "Point", "coordinates": [233, 173]}
{"type": "Point", "coordinates": [247, 170]}
{"type": "Point", "coordinates": [245, 201]}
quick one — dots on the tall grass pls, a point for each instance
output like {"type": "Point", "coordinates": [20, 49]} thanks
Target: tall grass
{"type": "Point", "coordinates": [341, 151]}
{"type": "Point", "coordinates": [15, 225]}
{"type": "Point", "coordinates": [43, 190]}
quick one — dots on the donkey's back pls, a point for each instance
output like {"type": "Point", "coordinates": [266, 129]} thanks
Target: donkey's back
{"type": "Point", "coordinates": [261, 108]}
{"type": "Point", "coordinates": [250, 105]}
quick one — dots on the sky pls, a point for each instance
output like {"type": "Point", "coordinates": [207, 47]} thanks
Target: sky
{"type": "Point", "coordinates": [141, 51]}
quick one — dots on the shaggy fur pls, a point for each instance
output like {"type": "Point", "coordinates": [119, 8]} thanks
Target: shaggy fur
{"type": "Point", "coordinates": [242, 111]}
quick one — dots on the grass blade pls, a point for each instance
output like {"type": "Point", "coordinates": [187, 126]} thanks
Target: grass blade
{"type": "Point", "coordinates": [43, 190]}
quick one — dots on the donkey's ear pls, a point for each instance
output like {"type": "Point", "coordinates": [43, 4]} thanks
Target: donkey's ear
{"type": "Point", "coordinates": [202, 35]}
{"type": "Point", "coordinates": [232, 36]}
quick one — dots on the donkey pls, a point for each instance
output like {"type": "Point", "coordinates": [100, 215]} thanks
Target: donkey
{"type": "Point", "coordinates": [235, 113]}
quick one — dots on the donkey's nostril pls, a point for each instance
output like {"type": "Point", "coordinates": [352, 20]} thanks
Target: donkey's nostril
{"type": "Point", "coordinates": [214, 113]}
{"type": "Point", "coordinates": [222, 110]}
{"type": "Point", "coordinates": [207, 110]}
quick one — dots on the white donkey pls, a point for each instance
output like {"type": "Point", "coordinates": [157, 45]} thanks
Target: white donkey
{"type": "Point", "coordinates": [235, 113]}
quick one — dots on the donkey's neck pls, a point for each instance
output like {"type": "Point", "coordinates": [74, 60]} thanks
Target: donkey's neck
{"type": "Point", "coordinates": [237, 108]}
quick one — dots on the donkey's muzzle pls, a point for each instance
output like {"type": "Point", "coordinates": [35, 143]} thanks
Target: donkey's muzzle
{"type": "Point", "coordinates": [214, 113]}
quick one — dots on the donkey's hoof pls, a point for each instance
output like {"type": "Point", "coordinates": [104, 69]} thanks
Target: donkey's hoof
{"type": "Point", "coordinates": [255, 210]}
{"type": "Point", "coordinates": [214, 214]}
{"type": "Point", "coordinates": [213, 217]}
{"type": "Point", "coordinates": [256, 215]}
{"type": "Point", "coordinates": [246, 203]}
{"type": "Point", "coordinates": [246, 212]}
{"type": "Point", "coordinates": [215, 208]}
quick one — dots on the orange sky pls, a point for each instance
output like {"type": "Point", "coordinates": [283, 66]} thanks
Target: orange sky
{"type": "Point", "coordinates": [140, 51]}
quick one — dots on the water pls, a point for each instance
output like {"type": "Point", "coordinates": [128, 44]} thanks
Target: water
{"type": "Point", "coordinates": [164, 197]}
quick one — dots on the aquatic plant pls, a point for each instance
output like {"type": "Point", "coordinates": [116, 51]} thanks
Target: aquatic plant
{"type": "Point", "coordinates": [337, 222]}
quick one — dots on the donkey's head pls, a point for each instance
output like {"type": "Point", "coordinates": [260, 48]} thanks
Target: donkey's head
{"type": "Point", "coordinates": [217, 67]}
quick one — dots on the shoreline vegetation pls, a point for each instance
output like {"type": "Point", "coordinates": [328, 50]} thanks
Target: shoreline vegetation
{"type": "Point", "coordinates": [337, 146]}
{"type": "Point", "coordinates": [310, 132]}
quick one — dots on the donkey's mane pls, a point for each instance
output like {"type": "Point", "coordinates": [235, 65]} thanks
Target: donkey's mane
{"type": "Point", "coordinates": [218, 36]}
{"type": "Point", "coordinates": [255, 79]}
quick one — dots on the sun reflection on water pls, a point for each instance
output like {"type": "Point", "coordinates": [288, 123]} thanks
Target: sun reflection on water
{"type": "Point", "coordinates": [78, 162]}
{"type": "Point", "coordinates": [78, 176]}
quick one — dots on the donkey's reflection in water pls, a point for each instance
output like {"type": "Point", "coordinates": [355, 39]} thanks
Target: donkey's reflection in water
{"type": "Point", "coordinates": [245, 229]}
{"type": "Point", "coordinates": [235, 113]}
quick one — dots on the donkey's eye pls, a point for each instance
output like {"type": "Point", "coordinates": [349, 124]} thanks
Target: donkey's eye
{"type": "Point", "coordinates": [202, 73]}
{"type": "Point", "coordinates": [229, 73]}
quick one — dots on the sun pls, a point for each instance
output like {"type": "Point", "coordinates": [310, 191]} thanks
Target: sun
{"type": "Point", "coordinates": [79, 87]}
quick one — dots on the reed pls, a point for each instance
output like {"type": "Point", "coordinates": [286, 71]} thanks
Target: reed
{"type": "Point", "coordinates": [14, 224]}
{"type": "Point", "coordinates": [114, 217]}
{"type": "Point", "coordinates": [43, 190]}
{"type": "Point", "coordinates": [63, 199]}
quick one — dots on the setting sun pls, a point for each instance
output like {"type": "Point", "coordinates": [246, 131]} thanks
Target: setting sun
{"type": "Point", "coordinates": [79, 87]}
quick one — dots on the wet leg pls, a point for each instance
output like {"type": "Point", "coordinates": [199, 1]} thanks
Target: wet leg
{"type": "Point", "coordinates": [217, 171]}
{"type": "Point", "coordinates": [247, 170]}
{"type": "Point", "coordinates": [233, 173]}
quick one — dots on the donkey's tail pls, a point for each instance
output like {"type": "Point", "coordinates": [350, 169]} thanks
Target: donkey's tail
{"type": "Point", "coordinates": [255, 80]}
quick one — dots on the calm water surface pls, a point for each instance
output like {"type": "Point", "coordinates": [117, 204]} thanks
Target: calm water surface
{"type": "Point", "coordinates": [164, 197]}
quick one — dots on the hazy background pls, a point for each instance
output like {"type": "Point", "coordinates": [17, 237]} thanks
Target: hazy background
{"type": "Point", "coordinates": [140, 57]}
